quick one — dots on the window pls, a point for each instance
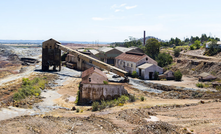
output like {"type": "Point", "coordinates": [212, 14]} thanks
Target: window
{"type": "Point", "coordinates": [89, 79]}
{"type": "Point", "coordinates": [131, 65]}
{"type": "Point", "coordinates": [128, 64]}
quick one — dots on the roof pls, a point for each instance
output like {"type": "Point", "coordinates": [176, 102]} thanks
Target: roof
{"type": "Point", "coordinates": [92, 70]}
{"type": "Point", "coordinates": [81, 50]}
{"type": "Point", "coordinates": [204, 74]}
{"type": "Point", "coordinates": [146, 65]}
{"type": "Point", "coordinates": [94, 52]}
{"type": "Point", "coordinates": [105, 49]}
{"type": "Point", "coordinates": [124, 49]}
{"type": "Point", "coordinates": [167, 71]}
{"type": "Point", "coordinates": [208, 43]}
{"type": "Point", "coordinates": [131, 57]}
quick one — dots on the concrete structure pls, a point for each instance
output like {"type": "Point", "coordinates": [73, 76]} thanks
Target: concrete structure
{"type": "Point", "coordinates": [98, 92]}
{"type": "Point", "coordinates": [146, 71]}
{"type": "Point", "coordinates": [51, 55]}
{"type": "Point", "coordinates": [92, 87]}
{"type": "Point", "coordinates": [93, 76]}
{"type": "Point", "coordinates": [129, 61]}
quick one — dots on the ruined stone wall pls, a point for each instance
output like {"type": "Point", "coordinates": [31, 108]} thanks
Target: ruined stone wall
{"type": "Point", "coordinates": [97, 92]}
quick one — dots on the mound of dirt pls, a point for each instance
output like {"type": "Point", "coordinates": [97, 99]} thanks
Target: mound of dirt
{"type": "Point", "coordinates": [159, 128]}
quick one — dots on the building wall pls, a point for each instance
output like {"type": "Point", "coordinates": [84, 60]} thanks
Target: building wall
{"type": "Point", "coordinates": [95, 78]}
{"type": "Point", "coordinates": [96, 92]}
{"type": "Point", "coordinates": [145, 72]}
{"type": "Point", "coordinates": [125, 65]}
{"type": "Point", "coordinates": [170, 75]}
{"type": "Point", "coordinates": [108, 55]}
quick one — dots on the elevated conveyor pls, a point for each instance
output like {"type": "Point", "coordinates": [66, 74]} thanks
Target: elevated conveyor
{"type": "Point", "coordinates": [51, 56]}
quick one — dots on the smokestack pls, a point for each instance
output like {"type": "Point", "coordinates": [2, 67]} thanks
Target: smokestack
{"type": "Point", "coordinates": [144, 40]}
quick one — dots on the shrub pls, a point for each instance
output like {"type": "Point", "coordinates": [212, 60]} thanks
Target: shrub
{"type": "Point", "coordinates": [120, 104]}
{"type": "Point", "coordinates": [200, 85]}
{"type": "Point", "coordinates": [176, 52]}
{"type": "Point", "coordinates": [134, 74]}
{"type": "Point", "coordinates": [77, 110]}
{"type": "Point", "coordinates": [132, 98]}
{"type": "Point", "coordinates": [192, 47]}
{"type": "Point", "coordinates": [156, 77]}
{"type": "Point", "coordinates": [164, 59]}
{"type": "Point", "coordinates": [178, 75]}
{"type": "Point", "coordinates": [82, 111]}
{"type": "Point", "coordinates": [142, 98]}
{"type": "Point", "coordinates": [95, 106]}
{"type": "Point", "coordinates": [218, 88]}
{"type": "Point", "coordinates": [105, 82]}
{"type": "Point", "coordinates": [77, 97]}
{"type": "Point", "coordinates": [30, 88]}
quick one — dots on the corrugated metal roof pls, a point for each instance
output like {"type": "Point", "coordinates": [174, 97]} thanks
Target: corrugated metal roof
{"type": "Point", "coordinates": [105, 49]}
{"type": "Point", "coordinates": [124, 49]}
{"type": "Point", "coordinates": [146, 65]}
{"type": "Point", "coordinates": [131, 57]}
{"type": "Point", "coordinates": [94, 52]}
{"type": "Point", "coordinates": [168, 71]}
{"type": "Point", "coordinates": [92, 70]}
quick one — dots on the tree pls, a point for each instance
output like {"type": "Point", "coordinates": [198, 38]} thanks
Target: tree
{"type": "Point", "coordinates": [152, 48]}
{"type": "Point", "coordinates": [178, 75]}
{"type": "Point", "coordinates": [176, 52]}
{"type": "Point", "coordinates": [197, 44]}
{"type": "Point", "coordinates": [156, 77]}
{"type": "Point", "coordinates": [214, 48]}
{"type": "Point", "coordinates": [164, 59]}
{"type": "Point", "coordinates": [177, 42]}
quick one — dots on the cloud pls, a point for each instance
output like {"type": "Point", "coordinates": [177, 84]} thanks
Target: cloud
{"type": "Point", "coordinates": [117, 10]}
{"type": "Point", "coordinates": [115, 6]}
{"type": "Point", "coordinates": [98, 18]}
{"type": "Point", "coordinates": [131, 7]}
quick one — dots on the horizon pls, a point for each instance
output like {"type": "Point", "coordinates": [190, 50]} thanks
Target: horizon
{"type": "Point", "coordinates": [109, 21]}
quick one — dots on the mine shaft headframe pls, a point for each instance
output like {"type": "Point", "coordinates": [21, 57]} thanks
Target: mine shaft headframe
{"type": "Point", "coordinates": [51, 55]}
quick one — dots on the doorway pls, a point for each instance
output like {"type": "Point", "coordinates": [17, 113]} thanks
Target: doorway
{"type": "Point", "coordinates": [150, 75]}
{"type": "Point", "coordinates": [139, 72]}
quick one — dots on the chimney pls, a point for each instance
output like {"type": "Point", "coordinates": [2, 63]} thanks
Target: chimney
{"type": "Point", "coordinates": [144, 40]}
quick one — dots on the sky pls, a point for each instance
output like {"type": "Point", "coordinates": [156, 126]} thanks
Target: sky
{"type": "Point", "coordinates": [108, 20]}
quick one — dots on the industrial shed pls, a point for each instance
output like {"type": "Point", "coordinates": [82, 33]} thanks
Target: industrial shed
{"type": "Point", "coordinates": [146, 71]}
{"type": "Point", "coordinates": [206, 77]}
{"type": "Point", "coordinates": [93, 76]}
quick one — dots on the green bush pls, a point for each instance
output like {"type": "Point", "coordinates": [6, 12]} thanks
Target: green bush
{"type": "Point", "coordinates": [29, 88]}
{"type": "Point", "coordinates": [132, 98]}
{"type": "Point", "coordinates": [95, 106]}
{"type": "Point", "coordinates": [176, 52]}
{"type": "Point", "coordinates": [200, 85]}
{"type": "Point", "coordinates": [142, 98]}
{"type": "Point", "coordinates": [192, 47]}
{"type": "Point", "coordinates": [134, 74]}
{"type": "Point", "coordinates": [105, 82]}
{"type": "Point", "coordinates": [77, 97]}
{"type": "Point", "coordinates": [178, 75]}
{"type": "Point", "coordinates": [77, 110]}
{"type": "Point", "coordinates": [156, 77]}
{"type": "Point", "coordinates": [116, 102]}
{"type": "Point", "coordinates": [164, 59]}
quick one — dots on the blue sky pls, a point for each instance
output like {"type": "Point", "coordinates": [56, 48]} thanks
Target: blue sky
{"type": "Point", "coordinates": [112, 20]}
